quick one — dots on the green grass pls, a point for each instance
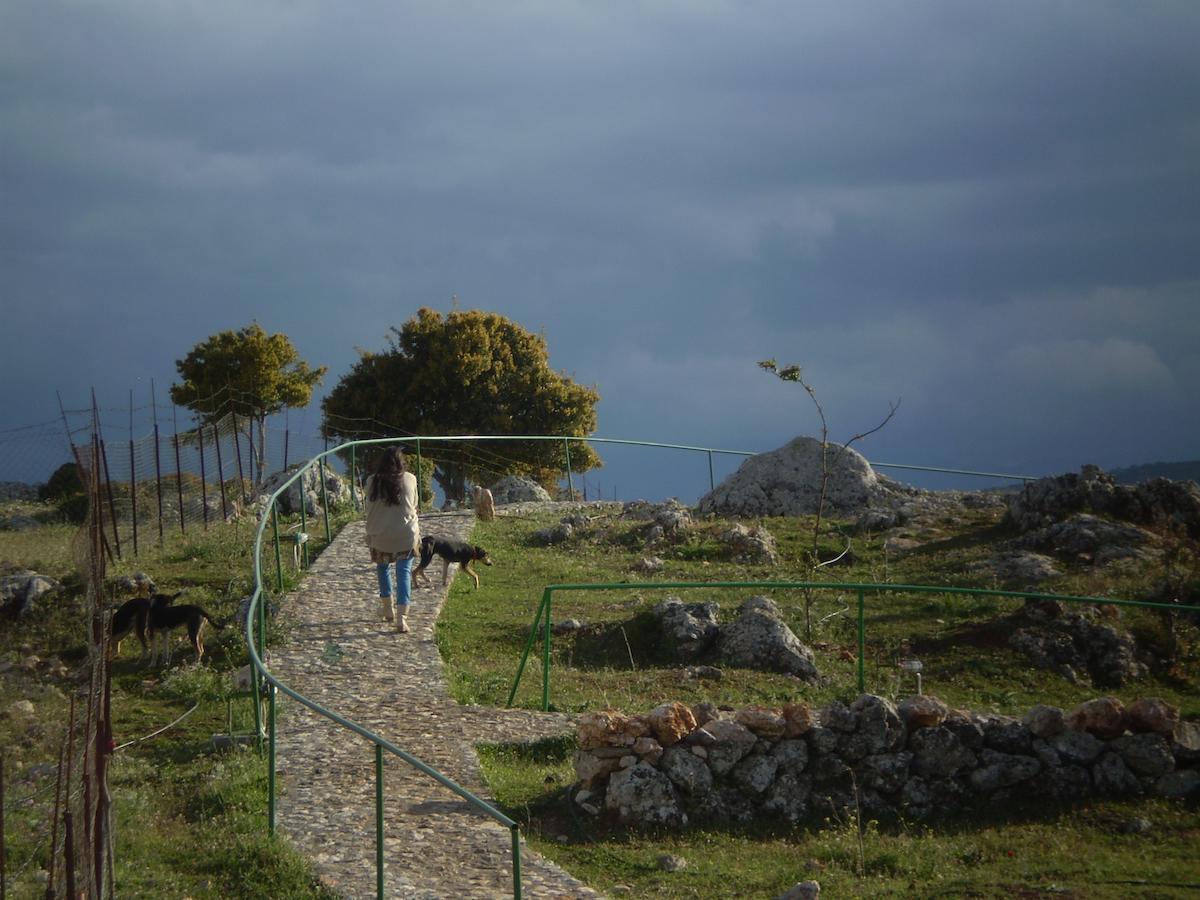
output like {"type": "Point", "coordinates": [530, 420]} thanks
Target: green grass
{"type": "Point", "coordinates": [961, 640]}
{"type": "Point", "coordinates": [189, 821]}
{"type": "Point", "coordinates": [1078, 851]}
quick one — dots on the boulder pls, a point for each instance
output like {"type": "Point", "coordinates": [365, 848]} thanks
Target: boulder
{"type": "Point", "coordinates": [787, 482]}
{"type": "Point", "coordinates": [1185, 742]}
{"type": "Point", "coordinates": [1146, 754]}
{"type": "Point", "coordinates": [750, 545]}
{"type": "Point", "coordinates": [1001, 770]}
{"type": "Point", "coordinates": [1179, 784]}
{"type": "Point", "coordinates": [759, 639]}
{"type": "Point", "coordinates": [885, 772]}
{"type": "Point", "coordinates": [306, 490]}
{"type": "Point", "coordinates": [922, 711]}
{"type": "Point", "coordinates": [791, 754]}
{"type": "Point", "coordinates": [517, 489]}
{"type": "Point", "coordinates": [20, 590]}
{"type": "Point", "coordinates": [731, 742]}
{"type": "Point", "coordinates": [880, 728]}
{"type": "Point", "coordinates": [673, 518]}
{"type": "Point", "coordinates": [1152, 714]}
{"type": "Point", "coordinates": [1157, 502]}
{"type": "Point", "coordinates": [788, 795]}
{"type": "Point", "coordinates": [766, 722]}
{"type": "Point", "coordinates": [688, 630]}
{"type": "Point", "coordinates": [1044, 721]}
{"type": "Point", "coordinates": [1077, 747]}
{"type": "Point", "coordinates": [754, 774]}
{"type": "Point", "coordinates": [687, 771]}
{"type": "Point", "coordinates": [1104, 717]}
{"type": "Point", "coordinates": [642, 794]}
{"type": "Point", "coordinates": [671, 722]}
{"type": "Point", "coordinates": [556, 534]}
{"type": "Point", "coordinates": [937, 753]}
{"type": "Point", "coordinates": [798, 718]}
{"type": "Point", "coordinates": [1071, 641]}
{"type": "Point", "coordinates": [1112, 778]}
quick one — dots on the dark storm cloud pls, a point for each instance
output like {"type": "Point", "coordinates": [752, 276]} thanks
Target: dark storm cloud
{"type": "Point", "coordinates": [989, 209]}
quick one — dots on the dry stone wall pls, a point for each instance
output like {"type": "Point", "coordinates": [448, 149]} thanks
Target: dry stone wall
{"type": "Point", "coordinates": [679, 765]}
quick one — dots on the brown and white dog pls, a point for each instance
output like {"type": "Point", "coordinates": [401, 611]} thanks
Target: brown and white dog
{"type": "Point", "coordinates": [132, 615]}
{"type": "Point", "coordinates": [451, 551]}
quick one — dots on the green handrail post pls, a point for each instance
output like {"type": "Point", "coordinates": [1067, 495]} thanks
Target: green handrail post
{"type": "Point", "coordinates": [546, 657]}
{"type": "Point", "coordinates": [570, 483]}
{"type": "Point", "coordinates": [712, 481]}
{"type": "Point", "coordinates": [379, 821]}
{"type": "Point", "coordinates": [419, 482]}
{"type": "Point", "coordinates": [353, 479]}
{"type": "Point", "coordinates": [278, 558]}
{"type": "Point", "coordinates": [303, 525]}
{"type": "Point", "coordinates": [533, 630]}
{"type": "Point", "coordinates": [516, 844]}
{"type": "Point", "coordinates": [271, 758]}
{"type": "Point", "coordinates": [862, 643]}
{"type": "Point", "coordinates": [325, 502]}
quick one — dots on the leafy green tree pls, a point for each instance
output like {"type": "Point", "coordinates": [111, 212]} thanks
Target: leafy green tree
{"type": "Point", "coordinates": [468, 372]}
{"type": "Point", "coordinates": [248, 372]}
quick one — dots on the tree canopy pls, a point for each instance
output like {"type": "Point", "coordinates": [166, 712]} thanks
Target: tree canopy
{"type": "Point", "coordinates": [468, 372]}
{"type": "Point", "coordinates": [248, 371]}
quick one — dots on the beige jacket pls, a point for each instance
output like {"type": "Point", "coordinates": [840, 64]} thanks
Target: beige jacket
{"type": "Point", "coordinates": [394, 529]}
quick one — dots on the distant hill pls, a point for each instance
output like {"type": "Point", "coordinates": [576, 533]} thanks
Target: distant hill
{"type": "Point", "coordinates": [1176, 471]}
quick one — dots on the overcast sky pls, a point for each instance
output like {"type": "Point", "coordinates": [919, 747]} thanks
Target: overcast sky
{"type": "Point", "coordinates": [989, 210]}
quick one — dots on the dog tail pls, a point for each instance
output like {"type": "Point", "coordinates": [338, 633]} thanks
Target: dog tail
{"type": "Point", "coordinates": [214, 622]}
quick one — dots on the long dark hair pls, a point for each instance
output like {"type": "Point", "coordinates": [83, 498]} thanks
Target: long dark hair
{"type": "Point", "coordinates": [387, 483]}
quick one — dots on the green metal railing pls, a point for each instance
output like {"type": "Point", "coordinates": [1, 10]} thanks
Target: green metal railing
{"type": "Point", "coordinates": [265, 682]}
{"type": "Point", "coordinates": [543, 616]}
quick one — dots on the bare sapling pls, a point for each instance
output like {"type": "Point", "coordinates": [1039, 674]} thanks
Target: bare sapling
{"type": "Point", "coordinates": [830, 455]}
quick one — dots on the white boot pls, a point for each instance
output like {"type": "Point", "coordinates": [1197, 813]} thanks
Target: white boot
{"type": "Point", "coordinates": [385, 609]}
{"type": "Point", "coordinates": [402, 619]}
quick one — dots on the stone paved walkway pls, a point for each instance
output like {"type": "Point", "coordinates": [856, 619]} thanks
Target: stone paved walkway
{"type": "Point", "coordinates": [341, 655]}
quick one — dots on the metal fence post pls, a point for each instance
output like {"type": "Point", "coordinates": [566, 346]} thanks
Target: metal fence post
{"type": "Point", "coordinates": [379, 821]}
{"type": "Point", "coordinates": [325, 502]}
{"type": "Point", "coordinates": [278, 558]}
{"type": "Point", "coordinates": [862, 643]}
{"type": "Point", "coordinates": [570, 483]}
{"type": "Point", "coordinates": [712, 482]}
{"type": "Point", "coordinates": [546, 657]}
{"type": "Point", "coordinates": [419, 481]}
{"type": "Point", "coordinates": [516, 845]}
{"type": "Point", "coordinates": [271, 754]}
{"type": "Point", "coordinates": [353, 478]}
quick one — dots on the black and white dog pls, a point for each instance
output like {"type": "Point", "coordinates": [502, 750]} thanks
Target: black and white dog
{"type": "Point", "coordinates": [451, 551]}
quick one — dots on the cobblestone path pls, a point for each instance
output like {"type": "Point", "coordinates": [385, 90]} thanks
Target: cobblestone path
{"type": "Point", "coordinates": [341, 655]}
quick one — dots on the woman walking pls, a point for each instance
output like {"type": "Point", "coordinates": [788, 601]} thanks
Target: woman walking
{"type": "Point", "coordinates": [393, 532]}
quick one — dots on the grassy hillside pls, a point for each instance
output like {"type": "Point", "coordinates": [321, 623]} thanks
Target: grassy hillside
{"type": "Point", "coordinates": [189, 820]}
{"type": "Point", "coordinates": [614, 660]}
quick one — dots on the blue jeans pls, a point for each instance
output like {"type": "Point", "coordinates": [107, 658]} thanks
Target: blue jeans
{"type": "Point", "coordinates": [403, 580]}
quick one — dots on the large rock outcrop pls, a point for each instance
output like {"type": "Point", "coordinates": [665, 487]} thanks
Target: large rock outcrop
{"type": "Point", "coordinates": [1158, 502]}
{"type": "Point", "coordinates": [787, 482]}
{"type": "Point", "coordinates": [516, 489]}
